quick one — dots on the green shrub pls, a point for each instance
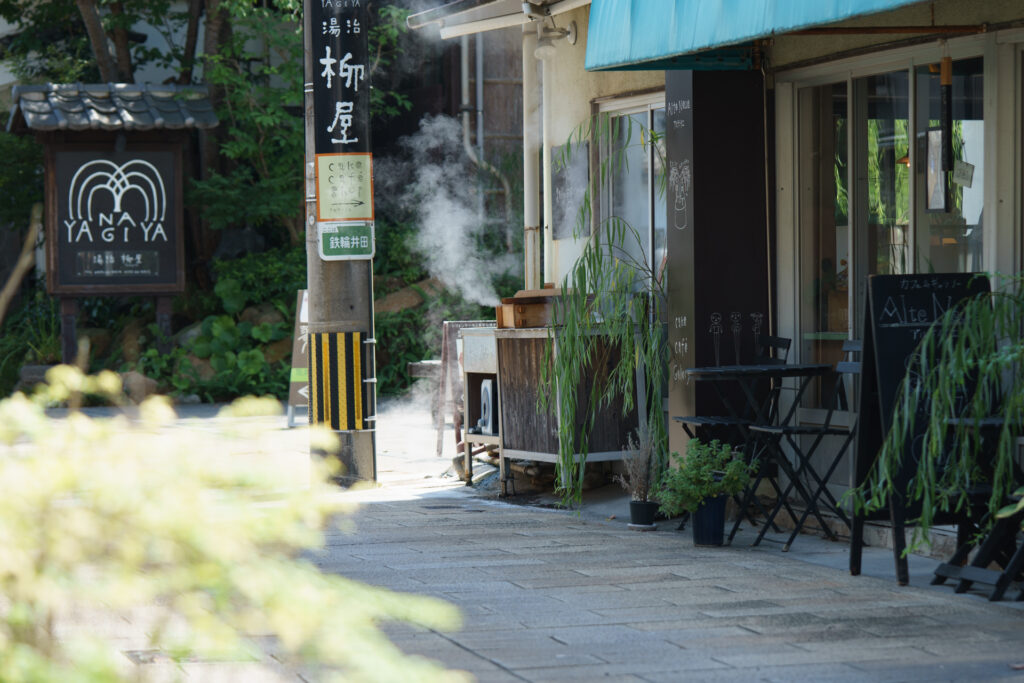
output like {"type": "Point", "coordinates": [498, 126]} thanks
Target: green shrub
{"type": "Point", "coordinates": [30, 334]}
{"type": "Point", "coordinates": [272, 276]}
{"type": "Point", "coordinates": [708, 471]}
{"type": "Point", "coordinates": [21, 179]}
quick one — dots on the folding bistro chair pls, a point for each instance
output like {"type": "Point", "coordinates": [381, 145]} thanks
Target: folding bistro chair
{"type": "Point", "coordinates": [815, 485]}
{"type": "Point", "coordinates": [768, 350]}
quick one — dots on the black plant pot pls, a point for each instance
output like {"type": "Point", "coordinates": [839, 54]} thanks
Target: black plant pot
{"type": "Point", "coordinates": [708, 521]}
{"type": "Point", "coordinates": [641, 512]}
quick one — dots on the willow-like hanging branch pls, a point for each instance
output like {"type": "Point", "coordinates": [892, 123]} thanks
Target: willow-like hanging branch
{"type": "Point", "coordinates": [611, 303]}
{"type": "Point", "coordinates": [968, 367]}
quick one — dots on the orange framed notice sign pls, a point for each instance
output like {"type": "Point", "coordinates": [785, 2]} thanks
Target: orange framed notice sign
{"type": "Point", "coordinates": [344, 187]}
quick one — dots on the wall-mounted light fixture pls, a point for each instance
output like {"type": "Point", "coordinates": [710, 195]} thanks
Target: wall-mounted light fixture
{"type": "Point", "coordinates": [548, 36]}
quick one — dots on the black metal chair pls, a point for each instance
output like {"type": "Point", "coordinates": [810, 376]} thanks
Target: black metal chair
{"type": "Point", "coordinates": [773, 350]}
{"type": "Point", "coordinates": [803, 478]}
{"type": "Point", "coordinates": [768, 350]}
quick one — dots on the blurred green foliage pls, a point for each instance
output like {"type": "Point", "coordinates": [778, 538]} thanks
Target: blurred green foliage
{"type": "Point", "coordinates": [21, 179]}
{"type": "Point", "coordinates": [195, 545]}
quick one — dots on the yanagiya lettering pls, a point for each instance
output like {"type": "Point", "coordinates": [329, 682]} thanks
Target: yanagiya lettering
{"type": "Point", "coordinates": [116, 203]}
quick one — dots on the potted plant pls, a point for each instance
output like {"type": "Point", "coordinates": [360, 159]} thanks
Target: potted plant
{"type": "Point", "coordinates": [701, 484]}
{"type": "Point", "coordinates": [607, 340]}
{"type": "Point", "coordinates": [638, 480]}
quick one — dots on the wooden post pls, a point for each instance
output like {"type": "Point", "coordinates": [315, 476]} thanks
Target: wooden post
{"type": "Point", "coordinates": [163, 322]}
{"type": "Point", "coordinates": [336, 103]}
{"type": "Point", "coordinates": [68, 333]}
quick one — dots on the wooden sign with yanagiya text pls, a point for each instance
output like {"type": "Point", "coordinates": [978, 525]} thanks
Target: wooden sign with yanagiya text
{"type": "Point", "coordinates": [115, 220]}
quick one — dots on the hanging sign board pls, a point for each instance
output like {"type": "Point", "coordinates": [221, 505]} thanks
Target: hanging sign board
{"type": "Point", "coordinates": [341, 113]}
{"type": "Point", "coordinates": [115, 221]}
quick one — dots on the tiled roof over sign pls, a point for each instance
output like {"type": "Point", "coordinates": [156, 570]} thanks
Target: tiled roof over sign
{"type": "Point", "coordinates": [109, 106]}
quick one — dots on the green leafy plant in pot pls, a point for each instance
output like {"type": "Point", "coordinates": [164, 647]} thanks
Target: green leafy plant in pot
{"type": "Point", "coordinates": [701, 485]}
{"type": "Point", "coordinates": [638, 479]}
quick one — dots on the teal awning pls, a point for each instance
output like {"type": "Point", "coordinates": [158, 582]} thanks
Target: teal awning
{"type": "Point", "coordinates": [660, 34]}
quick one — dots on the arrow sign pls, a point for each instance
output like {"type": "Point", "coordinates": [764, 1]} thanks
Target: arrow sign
{"type": "Point", "coordinates": [344, 187]}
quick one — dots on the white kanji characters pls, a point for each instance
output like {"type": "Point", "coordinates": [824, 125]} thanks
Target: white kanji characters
{"type": "Point", "coordinates": [352, 25]}
{"type": "Point", "coordinates": [334, 28]}
{"type": "Point", "coordinates": [350, 71]}
{"type": "Point", "coordinates": [364, 242]}
{"type": "Point", "coordinates": [328, 63]}
{"type": "Point", "coordinates": [342, 121]}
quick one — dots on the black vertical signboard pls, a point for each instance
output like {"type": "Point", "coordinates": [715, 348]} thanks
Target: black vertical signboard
{"type": "Point", "coordinates": [680, 238]}
{"type": "Point", "coordinates": [341, 111]}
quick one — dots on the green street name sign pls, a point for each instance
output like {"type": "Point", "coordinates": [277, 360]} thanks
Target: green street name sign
{"type": "Point", "coordinates": [345, 241]}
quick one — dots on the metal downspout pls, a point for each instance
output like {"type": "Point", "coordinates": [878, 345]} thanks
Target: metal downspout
{"type": "Point", "coordinates": [531, 163]}
{"type": "Point", "coordinates": [545, 108]}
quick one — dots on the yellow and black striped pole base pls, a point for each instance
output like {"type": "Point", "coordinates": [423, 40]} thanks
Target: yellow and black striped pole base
{"type": "Point", "coordinates": [336, 380]}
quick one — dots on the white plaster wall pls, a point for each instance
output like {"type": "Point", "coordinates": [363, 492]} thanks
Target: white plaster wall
{"type": "Point", "coordinates": [149, 73]}
{"type": "Point", "coordinates": [573, 92]}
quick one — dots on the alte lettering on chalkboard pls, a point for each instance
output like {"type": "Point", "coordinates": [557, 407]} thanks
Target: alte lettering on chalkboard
{"type": "Point", "coordinates": [896, 312]}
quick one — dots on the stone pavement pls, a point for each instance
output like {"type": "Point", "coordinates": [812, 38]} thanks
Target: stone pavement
{"type": "Point", "coordinates": [550, 595]}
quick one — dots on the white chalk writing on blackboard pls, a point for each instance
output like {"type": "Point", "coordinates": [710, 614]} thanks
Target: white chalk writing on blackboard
{"type": "Point", "coordinates": [677, 106]}
{"type": "Point", "coordinates": [680, 180]}
{"type": "Point", "coordinates": [716, 331]}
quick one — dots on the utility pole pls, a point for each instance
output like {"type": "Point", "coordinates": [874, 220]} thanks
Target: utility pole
{"type": "Point", "coordinates": [340, 230]}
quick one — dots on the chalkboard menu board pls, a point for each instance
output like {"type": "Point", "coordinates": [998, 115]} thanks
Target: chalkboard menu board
{"type": "Point", "coordinates": [900, 310]}
{"type": "Point", "coordinates": [115, 221]}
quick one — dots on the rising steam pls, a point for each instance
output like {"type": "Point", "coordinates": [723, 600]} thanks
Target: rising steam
{"type": "Point", "coordinates": [442, 195]}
